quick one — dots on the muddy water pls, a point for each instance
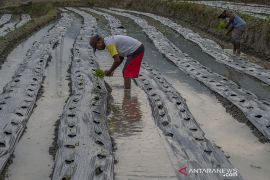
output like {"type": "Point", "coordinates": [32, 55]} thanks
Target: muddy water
{"type": "Point", "coordinates": [32, 159]}
{"type": "Point", "coordinates": [140, 153]}
{"type": "Point", "coordinates": [13, 60]}
{"type": "Point", "coordinates": [251, 157]}
{"type": "Point", "coordinates": [245, 81]}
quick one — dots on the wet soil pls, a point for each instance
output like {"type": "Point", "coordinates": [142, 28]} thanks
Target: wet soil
{"type": "Point", "coordinates": [32, 159]}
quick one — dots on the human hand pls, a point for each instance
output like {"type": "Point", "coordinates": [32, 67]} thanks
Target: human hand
{"type": "Point", "coordinates": [108, 73]}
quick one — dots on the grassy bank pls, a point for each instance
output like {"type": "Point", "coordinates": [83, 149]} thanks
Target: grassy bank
{"type": "Point", "coordinates": [41, 15]}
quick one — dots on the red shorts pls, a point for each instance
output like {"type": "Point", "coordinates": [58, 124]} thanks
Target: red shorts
{"type": "Point", "coordinates": [133, 63]}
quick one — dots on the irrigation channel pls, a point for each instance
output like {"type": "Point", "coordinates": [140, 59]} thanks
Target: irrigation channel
{"type": "Point", "coordinates": [192, 107]}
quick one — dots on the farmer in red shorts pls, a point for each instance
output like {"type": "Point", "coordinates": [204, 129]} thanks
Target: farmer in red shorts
{"type": "Point", "coordinates": [119, 47]}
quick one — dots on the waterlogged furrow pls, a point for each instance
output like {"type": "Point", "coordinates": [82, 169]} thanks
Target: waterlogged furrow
{"type": "Point", "coordinates": [115, 24]}
{"type": "Point", "coordinates": [5, 19]}
{"type": "Point", "coordinates": [182, 132]}
{"type": "Point", "coordinates": [257, 112]}
{"type": "Point", "coordinates": [25, 18]}
{"type": "Point", "coordinates": [20, 94]}
{"type": "Point", "coordinates": [85, 149]}
{"type": "Point", "coordinates": [173, 117]}
{"type": "Point", "coordinates": [213, 49]}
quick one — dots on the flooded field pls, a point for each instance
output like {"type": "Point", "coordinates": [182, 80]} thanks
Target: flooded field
{"type": "Point", "coordinates": [187, 109]}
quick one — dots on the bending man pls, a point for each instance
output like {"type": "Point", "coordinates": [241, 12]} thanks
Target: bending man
{"type": "Point", "coordinates": [119, 47]}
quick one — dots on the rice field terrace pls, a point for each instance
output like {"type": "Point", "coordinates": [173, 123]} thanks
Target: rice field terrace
{"type": "Point", "coordinates": [196, 111]}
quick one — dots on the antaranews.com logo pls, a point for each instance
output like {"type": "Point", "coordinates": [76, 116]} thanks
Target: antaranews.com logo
{"type": "Point", "coordinates": [225, 172]}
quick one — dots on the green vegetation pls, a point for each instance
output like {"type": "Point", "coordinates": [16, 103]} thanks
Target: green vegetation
{"type": "Point", "coordinates": [99, 73]}
{"type": "Point", "coordinates": [222, 24]}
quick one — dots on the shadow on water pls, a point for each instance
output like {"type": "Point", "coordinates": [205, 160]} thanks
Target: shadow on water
{"type": "Point", "coordinates": [140, 152]}
{"type": "Point", "coordinates": [125, 119]}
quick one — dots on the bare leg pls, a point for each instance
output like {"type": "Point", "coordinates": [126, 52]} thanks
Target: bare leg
{"type": "Point", "coordinates": [237, 47]}
{"type": "Point", "coordinates": [234, 48]}
{"type": "Point", "coordinates": [127, 83]}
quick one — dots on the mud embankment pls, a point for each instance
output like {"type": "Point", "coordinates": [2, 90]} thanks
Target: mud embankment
{"type": "Point", "coordinates": [12, 39]}
{"type": "Point", "coordinates": [256, 39]}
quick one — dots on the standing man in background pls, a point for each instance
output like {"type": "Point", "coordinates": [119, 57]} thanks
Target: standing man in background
{"type": "Point", "coordinates": [236, 26]}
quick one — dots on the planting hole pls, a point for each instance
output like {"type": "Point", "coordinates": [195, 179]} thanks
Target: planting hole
{"type": "Point", "coordinates": [96, 122]}
{"type": "Point", "coordinates": [70, 146]}
{"type": "Point", "coordinates": [19, 114]}
{"type": "Point", "coordinates": [208, 151]}
{"type": "Point", "coordinates": [178, 103]}
{"type": "Point", "coordinates": [99, 143]}
{"type": "Point", "coordinates": [165, 123]}
{"type": "Point", "coordinates": [7, 132]}
{"type": "Point", "coordinates": [182, 110]}
{"type": "Point", "coordinates": [101, 156]}
{"type": "Point", "coordinates": [193, 129]}
{"type": "Point", "coordinates": [2, 103]}
{"type": "Point", "coordinates": [187, 118]}
{"type": "Point", "coordinates": [72, 135]}
{"type": "Point", "coordinates": [69, 161]}
{"type": "Point", "coordinates": [169, 134]}
{"type": "Point", "coordinates": [71, 115]}
{"type": "Point", "coordinates": [258, 116]}
{"type": "Point", "coordinates": [98, 132]}
{"type": "Point", "coordinates": [198, 139]}
{"type": "Point", "coordinates": [98, 171]}
{"type": "Point", "coordinates": [2, 145]}
{"type": "Point", "coordinates": [14, 123]}
{"type": "Point", "coordinates": [96, 112]}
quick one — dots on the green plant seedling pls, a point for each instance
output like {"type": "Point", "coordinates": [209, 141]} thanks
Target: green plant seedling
{"type": "Point", "coordinates": [99, 73]}
{"type": "Point", "coordinates": [222, 24]}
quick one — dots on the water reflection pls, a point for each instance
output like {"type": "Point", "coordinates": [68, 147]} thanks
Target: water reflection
{"type": "Point", "coordinates": [125, 119]}
{"type": "Point", "coordinates": [140, 150]}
